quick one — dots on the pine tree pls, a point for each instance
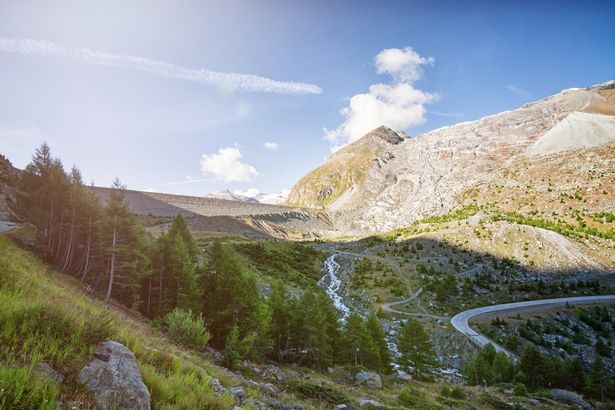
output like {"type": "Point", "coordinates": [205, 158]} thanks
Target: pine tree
{"type": "Point", "coordinates": [359, 346]}
{"type": "Point", "coordinates": [281, 306]}
{"type": "Point", "coordinates": [597, 378]}
{"type": "Point", "coordinates": [377, 335]}
{"type": "Point", "coordinates": [416, 348]}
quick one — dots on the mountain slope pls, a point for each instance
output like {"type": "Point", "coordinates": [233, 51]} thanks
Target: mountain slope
{"type": "Point", "coordinates": [374, 185]}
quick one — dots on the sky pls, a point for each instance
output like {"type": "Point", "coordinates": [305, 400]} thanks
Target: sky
{"type": "Point", "coordinates": [192, 97]}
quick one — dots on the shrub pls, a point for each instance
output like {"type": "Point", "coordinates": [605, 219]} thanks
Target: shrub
{"type": "Point", "coordinates": [187, 329]}
{"type": "Point", "coordinates": [520, 389]}
{"type": "Point", "coordinates": [446, 391]}
{"type": "Point", "coordinates": [322, 392]}
{"type": "Point", "coordinates": [21, 390]}
{"type": "Point", "coordinates": [458, 393]}
{"type": "Point", "coordinates": [412, 399]}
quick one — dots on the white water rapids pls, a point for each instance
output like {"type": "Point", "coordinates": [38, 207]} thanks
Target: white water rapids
{"type": "Point", "coordinates": [332, 283]}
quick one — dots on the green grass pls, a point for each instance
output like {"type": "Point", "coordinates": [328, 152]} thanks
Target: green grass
{"type": "Point", "coordinates": [293, 263]}
{"type": "Point", "coordinates": [44, 315]}
{"type": "Point", "coordinates": [21, 388]}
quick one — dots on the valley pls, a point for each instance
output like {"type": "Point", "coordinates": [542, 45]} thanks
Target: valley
{"type": "Point", "coordinates": [401, 266]}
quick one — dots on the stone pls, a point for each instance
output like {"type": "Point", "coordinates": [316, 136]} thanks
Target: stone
{"type": "Point", "coordinates": [369, 403]}
{"type": "Point", "coordinates": [341, 407]}
{"type": "Point", "coordinates": [271, 389]}
{"type": "Point", "coordinates": [217, 386]}
{"type": "Point", "coordinates": [403, 376]}
{"type": "Point", "coordinates": [48, 372]}
{"type": "Point", "coordinates": [369, 379]}
{"type": "Point", "coordinates": [238, 393]}
{"type": "Point", "coordinates": [273, 372]}
{"type": "Point", "coordinates": [566, 396]}
{"type": "Point", "coordinates": [114, 378]}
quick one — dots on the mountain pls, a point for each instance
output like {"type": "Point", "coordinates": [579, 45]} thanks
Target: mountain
{"type": "Point", "coordinates": [231, 196]}
{"type": "Point", "coordinates": [386, 180]}
{"type": "Point", "coordinates": [253, 197]}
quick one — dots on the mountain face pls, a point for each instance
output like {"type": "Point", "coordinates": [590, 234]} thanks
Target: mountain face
{"type": "Point", "coordinates": [386, 180]}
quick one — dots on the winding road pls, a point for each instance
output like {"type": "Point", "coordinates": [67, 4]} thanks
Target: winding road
{"type": "Point", "coordinates": [460, 321]}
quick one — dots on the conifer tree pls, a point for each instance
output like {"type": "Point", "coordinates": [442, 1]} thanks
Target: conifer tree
{"type": "Point", "coordinates": [377, 334]}
{"type": "Point", "coordinates": [416, 348]}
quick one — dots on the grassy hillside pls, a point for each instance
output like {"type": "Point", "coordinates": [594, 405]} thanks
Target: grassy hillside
{"type": "Point", "coordinates": [45, 316]}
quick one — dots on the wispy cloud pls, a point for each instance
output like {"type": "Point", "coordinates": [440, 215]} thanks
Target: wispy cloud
{"type": "Point", "coordinates": [271, 145]}
{"type": "Point", "coordinates": [228, 81]}
{"type": "Point", "coordinates": [448, 114]}
{"type": "Point", "coordinates": [518, 91]}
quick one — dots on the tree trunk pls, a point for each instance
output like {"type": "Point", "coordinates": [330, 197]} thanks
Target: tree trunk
{"type": "Point", "coordinates": [69, 247]}
{"type": "Point", "coordinates": [149, 294]}
{"type": "Point", "coordinates": [87, 251]}
{"type": "Point", "coordinates": [112, 267]}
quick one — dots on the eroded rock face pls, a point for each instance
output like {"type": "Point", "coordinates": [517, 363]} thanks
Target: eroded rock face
{"type": "Point", "coordinates": [114, 378]}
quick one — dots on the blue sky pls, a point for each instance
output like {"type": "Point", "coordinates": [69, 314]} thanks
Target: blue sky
{"type": "Point", "coordinates": [118, 88]}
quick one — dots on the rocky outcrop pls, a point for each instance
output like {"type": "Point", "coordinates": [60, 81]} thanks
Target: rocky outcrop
{"type": "Point", "coordinates": [570, 397]}
{"type": "Point", "coordinates": [114, 379]}
{"type": "Point", "coordinates": [368, 379]}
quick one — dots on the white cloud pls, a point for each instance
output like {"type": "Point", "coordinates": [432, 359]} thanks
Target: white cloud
{"type": "Point", "coordinates": [271, 145]}
{"type": "Point", "coordinates": [227, 81]}
{"type": "Point", "coordinates": [403, 64]}
{"type": "Point", "coordinates": [226, 165]}
{"type": "Point", "coordinates": [398, 105]}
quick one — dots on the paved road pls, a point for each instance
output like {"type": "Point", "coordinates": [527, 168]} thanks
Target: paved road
{"type": "Point", "coordinates": [460, 321]}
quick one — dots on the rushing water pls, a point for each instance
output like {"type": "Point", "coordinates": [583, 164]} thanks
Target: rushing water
{"type": "Point", "coordinates": [332, 283]}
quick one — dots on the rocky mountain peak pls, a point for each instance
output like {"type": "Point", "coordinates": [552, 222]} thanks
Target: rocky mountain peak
{"type": "Point", "coordinates": [384, 134]}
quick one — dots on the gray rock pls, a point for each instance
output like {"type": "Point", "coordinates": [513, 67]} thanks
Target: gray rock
{"type": "Point", "coordinates": [217, 386]}
{"type": "Point", "coordinates": [273, 372]}
{"type": "Point", "coordinates": [271, 389]}
{"type": "Point", "coordinates": [114, 378]}
{"type": "Point", "coordinates": [48, 372]}
{"type": "Point", "coordinates": [368, 403]}
{"type": "Point", "coordinates": [341, 407]}
{"type": "Point", "coordinates": [278, 405]}
{"type": "Point", "coordinates": [566, 396]}
{"type": "Point", "coordinates": [403, 376]}
{"type": "Point", "coordinates": [369, 379]}
{"type": "Point", "coordinates": [238, 392]}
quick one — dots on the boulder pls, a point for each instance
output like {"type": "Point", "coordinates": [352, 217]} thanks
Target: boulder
{"type": "Point", "coordinates": [217, 386]}
{"type": "Point", "coordinates": [238, 393]}
{"type": "Point", "coordinates": [114, 379]}
{"type": "Point", "coordinates": [369, 379]}
{"type": "Point", "coordinates": [403, 376]}
{"type": "Point", "coordinates": [369, 403]}
{"type": "Point", "coordinates": [570, 397]}
{"type": "Point", "coordinates": [271, 389]}
{"type": "Point", "coordinates": [48, 372]}
{"type": "Point", "coordinates": [273, 372]}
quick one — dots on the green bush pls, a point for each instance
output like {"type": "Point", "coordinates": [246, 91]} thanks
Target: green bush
{"type": "Point", "coordinates": [446, 390]}
{"type": "Point", "coordinates": [413, 399]}
{"type": "Point", "coordinates": [19, 389]}
{"type": "Point", "coordinates": [520, 389]}
{"type": "Point", "coordinates": [187, 329]}
{"type": "Point", "coordinates": [458, 393]}
{"type": "Point", "coordinates": [322, 392]}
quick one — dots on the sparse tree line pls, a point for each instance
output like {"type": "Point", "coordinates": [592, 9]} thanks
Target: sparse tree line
{"type": "Point", "coordinates": [535, 370]}
{"type": "Point", "coordinates": [202, 297]}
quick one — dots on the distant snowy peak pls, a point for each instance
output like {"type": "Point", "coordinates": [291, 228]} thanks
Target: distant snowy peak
{"type": "Point", "coordinates": [251, 195]}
